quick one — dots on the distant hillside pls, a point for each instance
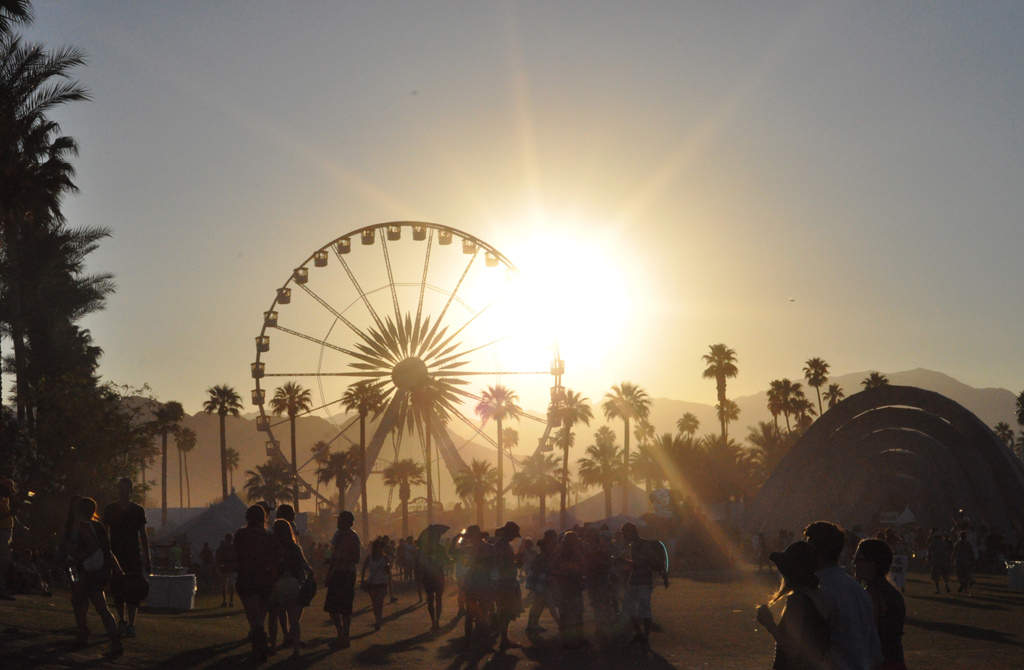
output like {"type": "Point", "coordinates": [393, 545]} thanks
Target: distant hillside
{"type": "Point", "coordinates": [990, 404]}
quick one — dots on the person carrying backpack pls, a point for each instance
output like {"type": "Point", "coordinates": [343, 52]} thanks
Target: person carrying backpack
{"type": "Point", "coordinates": [645, 558]}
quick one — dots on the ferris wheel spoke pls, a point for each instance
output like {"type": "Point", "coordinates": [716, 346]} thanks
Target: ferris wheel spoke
{"type": "Point", "coordinates": [391, 277]}
{"type": "Point", "coordinates": [451, 337]}
{"type": "Point", "coordinates": [480, 373]}
{"type": "Point", "coordinates": [368, 373]}
{"type": "Point", "coordinates": [325, 343]}
{"type": "Point", "coordinates": [423, 281]}
{"type": "Point", "coordinates": [344, 429]}
{"type": "Point", "coordinates": [359, 289]}
{"type": "Point", "coordinates": [447, 304]}
{"type": "Point", "coordinates": [466, 352]}
{"type": "Point", "coordinates": [338, 315]}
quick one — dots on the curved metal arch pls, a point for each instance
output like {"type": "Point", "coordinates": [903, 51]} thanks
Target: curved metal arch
{"type": "Point", "coordinates": [967, 457]}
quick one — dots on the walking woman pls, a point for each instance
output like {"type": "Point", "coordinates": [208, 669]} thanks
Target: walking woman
{"type": "Point", "coordinates": [257, 573]}
{"type": "Point", "coordinates": [292, 570]}
{"type": "Point", "coordinates": [86, 547]}
{"type": "Point", "coordinates": [801, 634]}
{"type": "Point", "coordinates": [379, 567]}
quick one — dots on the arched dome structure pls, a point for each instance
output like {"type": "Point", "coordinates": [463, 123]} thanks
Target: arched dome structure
{"type": "Point", "coordinates": [889, 448]}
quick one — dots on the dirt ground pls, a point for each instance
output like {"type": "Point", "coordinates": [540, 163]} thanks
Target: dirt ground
{"type": "Point", "coordinates": [703, 621]}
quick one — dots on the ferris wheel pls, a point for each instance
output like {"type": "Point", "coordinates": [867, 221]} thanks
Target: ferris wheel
{"type": "Point", "coordinates": [421, 312]}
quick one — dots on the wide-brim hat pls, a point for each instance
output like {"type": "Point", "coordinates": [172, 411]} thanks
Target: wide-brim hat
{"type": "Point", "coordinates": [799, 557]}
{"type": "Point", "coordinates": [510, 530]}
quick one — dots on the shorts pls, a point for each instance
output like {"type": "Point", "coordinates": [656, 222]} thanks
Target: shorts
{"type": "Point", "coordinates": [432, 583]}
{"type": "Point", "coordinates": [249, 590]}
{"type": "Point", "coordinates": [285, 592]}
{"type": "Point", "coordinates": [638, 601]}
{"type": "Point", "coordinates": [341, 591]}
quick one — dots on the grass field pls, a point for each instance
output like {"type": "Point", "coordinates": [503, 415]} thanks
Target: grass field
{"type": "Point", "coordinates": [702, 622]}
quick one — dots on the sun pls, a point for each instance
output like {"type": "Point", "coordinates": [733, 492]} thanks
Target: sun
{"type": "Point", "coordinates": [570, 291]}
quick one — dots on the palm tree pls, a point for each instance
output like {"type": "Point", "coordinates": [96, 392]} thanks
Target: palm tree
{"type": "Point", "coordinates": [816, 374]}
{"type": "Point", "coordinates": [165, 422]}
{"type": "Point", "coordinates": [475, 483]}
{"type": "Point", "coordinates": [602, 465]}
{"type": "Point", "coordinates": [768, 446]}
{"type": "Point", "coordinates": [343, 468]}
{"type": "Point", "coordinates": [874, 380]}
{"type": "Point", "coordinates": [721, 365]}
{"type": "Point", "coordinates": [404, 474]}
{"type": "Point", "coordinates": [1020, 408]}
{"type": "Point", "coordinates": [688, 425]}
{"type": "Point", "coordinates": [1004, 433]}
{"type": "Point", "coordinates": [499, 403]}
{"type": "Point", "coordinates": [776, 400]}
{"type": "Point", "coordinates": [36, 169]}
{"type": "Point", "coordinates": [573, 408]}
{"type": "Point", "coordinates": [231, 462]}
{"type": "Point", "coordinates": [364, 397]}
{"type": "Point", "coordinates": [537, 479]}
{"type": "Point", "coordinates": [186, 442]}
{"type": "Point", "coordinates": [626, 401]}
{"type": "Point", "coordinates": [321, 452]}
{"type": "Point", "coordinates": [291, 399]}
{"type": "Point", "coordinates": [644, 466]}
{"type": "Point", "coordinates": [270, 482]}
{"type": "Point", "coordinates": [790, 396]}
{"type": "Point", "coordinates": [430, 404]}
{"type": "Point", "coordinates": [223, 400]}
{"type": "Point", "coordinates": [727, 469]}
{"type": "Point", "coordinates": [833, 395]}
{"type": "Point", "coordinates": [727, 413]}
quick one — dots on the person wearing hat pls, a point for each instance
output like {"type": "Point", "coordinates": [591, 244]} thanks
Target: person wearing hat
{"type": "Point", "coordinates": [479, 600]}
{"type": "Point", "coordinates": [508, 597]}
{"type": "Point", "coordinates": [801, 634]}
{"type": "Point", "coordinates": [871, 564]}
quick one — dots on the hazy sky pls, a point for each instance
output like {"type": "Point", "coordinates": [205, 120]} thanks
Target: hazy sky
{"type": "Point", "coordinates": [696, 167]}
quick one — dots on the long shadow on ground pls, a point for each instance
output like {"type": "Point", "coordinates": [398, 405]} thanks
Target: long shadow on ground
{"type": "Point", "coordinates": [961, 630]}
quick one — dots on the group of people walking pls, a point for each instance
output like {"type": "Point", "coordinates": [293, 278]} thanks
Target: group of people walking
{"type": "Point", "coordinates": [832, 620]}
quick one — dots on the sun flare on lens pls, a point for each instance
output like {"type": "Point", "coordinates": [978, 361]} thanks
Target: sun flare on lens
{"type": "Point", "coordinates": [569, 291]}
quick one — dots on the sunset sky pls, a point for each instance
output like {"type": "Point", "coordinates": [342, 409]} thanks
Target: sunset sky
{"type": "Point", "coordinates": [839, 180]}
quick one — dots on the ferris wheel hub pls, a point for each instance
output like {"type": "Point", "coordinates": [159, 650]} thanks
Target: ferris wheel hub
{"type": "Point", "coordinates": [410, 373]}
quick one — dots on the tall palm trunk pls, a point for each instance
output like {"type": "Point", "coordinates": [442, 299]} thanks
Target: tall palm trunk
{"type": "Point", "coordinates": [362, 473]}
{"type": "Point", "coordinates": [479, 510]}
{"type": "Point", "coordinates": [188, 484]}
{"type": "Point", "coordinates": [430, 485]}
{"type": "Point", "coordinates": [405, 515]}
{"type": "Point", "coordinates": [499, 504]}
{"type": "Point", "coordinates": [817, 389]}
{"type": "Point", "coordinates": [607, 502]}
{"type": "Point", "coordinates": [181, 480]}
{"type": "Point", "coordinates": [163, 479]}
{"type": "Point", "coordinates": [295, 466]}
{"type": "Point", "coordinates": [224, 457]}
{"type": "Point", "coordinates": [625, 470]}
{"type": "Point", "coordinates": [543, 511]}
{"type": "Point", "coordinates": [720, 384]}
{"type": "Point", "coordinates": [563, 511]}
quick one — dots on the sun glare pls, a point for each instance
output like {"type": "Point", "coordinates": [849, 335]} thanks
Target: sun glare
{"type": "Point", "coordinates": [570, 291]}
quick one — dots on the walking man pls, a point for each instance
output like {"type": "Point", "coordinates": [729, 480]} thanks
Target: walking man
{"type": "Point", "coordinates": [126, 525]}
{"type": "Point", "coordinates": [645, 557]}
{"type": "Point", "coordinates": [341, 578]}
{"type": "Point", "coordinates": [853, 637]}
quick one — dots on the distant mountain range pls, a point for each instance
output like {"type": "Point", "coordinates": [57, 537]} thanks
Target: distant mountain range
{"type": "Point", "coordinates": [991, 405]}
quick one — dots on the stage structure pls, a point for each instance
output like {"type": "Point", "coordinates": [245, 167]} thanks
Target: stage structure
{"type": "Point", "coordinates": [883, 450]}
{"type": "Point", "coordinates": [423, 312]}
